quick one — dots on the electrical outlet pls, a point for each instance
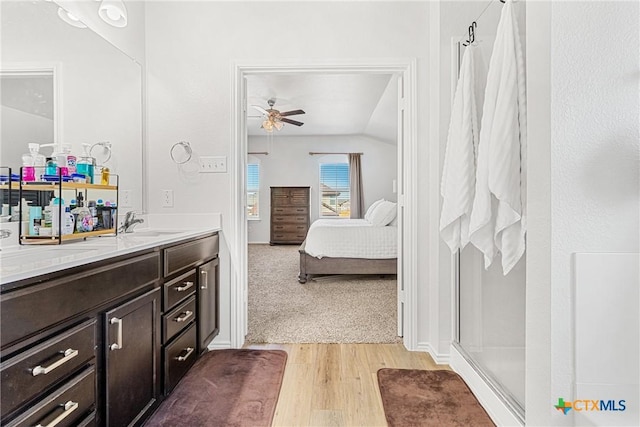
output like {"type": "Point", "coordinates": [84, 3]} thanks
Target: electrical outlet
{"type": "Point", "coordinates": [167, 198]}
{"type": "Point", "coordinates": [213, 164]}
{"type": "Point", "coordinates": [125, 198]}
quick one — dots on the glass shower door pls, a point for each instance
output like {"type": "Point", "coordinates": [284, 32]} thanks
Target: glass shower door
{"type": "Point", "coordinates": [491, 321]}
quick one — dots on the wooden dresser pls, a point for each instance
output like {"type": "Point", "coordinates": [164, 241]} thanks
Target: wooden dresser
{"type": "Point", "coordinates": [289, 215]}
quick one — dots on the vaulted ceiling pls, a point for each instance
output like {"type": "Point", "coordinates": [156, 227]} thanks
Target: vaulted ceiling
{"type": "Point", "coordinates": [335, 104]}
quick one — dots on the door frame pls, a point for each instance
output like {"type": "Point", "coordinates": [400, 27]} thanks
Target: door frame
{"type": "Point", "coordinates": [407, 180]}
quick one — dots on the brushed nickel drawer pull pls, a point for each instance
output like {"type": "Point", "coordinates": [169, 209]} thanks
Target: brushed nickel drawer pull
{"type": "Point", "coordinates": [186, 286]}
{"type": "Point", "coordinates": [186, 356]}
{"type": "Point", "coordinates": [118, 344]}
{"type": "Point", "coordinates": [184, 316]}
{"type": "Point", "coordinates": [68, 355]}
{"type": "Point", "coordinates": [69, 407]}
{"type": "Point", "coordinates": [205, 279]}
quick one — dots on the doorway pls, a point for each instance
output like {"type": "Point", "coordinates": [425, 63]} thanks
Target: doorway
{"type": "Point", "coordinates": [406, 186]}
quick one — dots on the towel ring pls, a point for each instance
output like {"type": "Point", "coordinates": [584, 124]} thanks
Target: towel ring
{"type": "Point", "coordinates": [181, 152]}
{"type": "Point", "coordinates": [102, 156]}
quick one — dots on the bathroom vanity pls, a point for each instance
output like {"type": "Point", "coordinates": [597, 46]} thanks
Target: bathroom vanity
{"type": "Point", "coordinates": [103, 333]}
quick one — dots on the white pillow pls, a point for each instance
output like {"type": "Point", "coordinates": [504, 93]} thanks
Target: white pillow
{"type": "Point", "coordinates": [394, 223]}
{"type": "Point", "coordinates": [372, 208]}
{"type": "Point", "coordinates": [383, 214]}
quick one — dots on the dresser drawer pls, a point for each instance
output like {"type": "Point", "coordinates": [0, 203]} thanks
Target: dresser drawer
{"type": "Point", "coordinates": [301, 210]}
{"type": "Point", "coordinates": [290, 228]}
{"type": "Point", "coordinates": [29, 373]}
{"type": "Point", "coordinates": [174, 321]}
{"type": "Point", "coordinates": [29, 311]}
{"type": "Point", "coordinates": [185, 255]}
{"type": "Point", "coordinates": [291, 219]}
{"type": "Point", "coordinates": [66, 406]}
{"type": "Point", "coordinates": [178, 289]}
{"type": "Point", "coordinates": [288, 237]}
{"type": "Point", "coordinates": [179, 356]}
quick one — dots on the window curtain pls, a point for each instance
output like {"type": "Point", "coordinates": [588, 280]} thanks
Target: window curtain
{"type": "Point", "coordinates": [355, 186]}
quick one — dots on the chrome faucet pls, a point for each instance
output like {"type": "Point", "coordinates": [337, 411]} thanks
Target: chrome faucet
{"type": "Point", "coordinates": [130, 221]}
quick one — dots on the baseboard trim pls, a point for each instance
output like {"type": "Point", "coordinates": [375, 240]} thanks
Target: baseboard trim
{"type": "Point", "coordinates": [219, 345]}
{"type": "Point", "coordinates": [497, 409]}
{"type": "Point", "coordinates": [439, 358]}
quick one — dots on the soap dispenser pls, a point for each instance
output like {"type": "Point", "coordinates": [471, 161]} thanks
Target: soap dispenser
{"type": "Point", "coordinates": [86, 164]}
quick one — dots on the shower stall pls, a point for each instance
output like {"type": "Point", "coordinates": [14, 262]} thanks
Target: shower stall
{"type": "Point", "coordinates": [490, 307]}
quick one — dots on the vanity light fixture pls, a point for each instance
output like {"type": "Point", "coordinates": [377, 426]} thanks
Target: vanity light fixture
{"type": "Point", "coordinates": [113, 12]}
{"type": "Point", "coordinates": [70, 18]}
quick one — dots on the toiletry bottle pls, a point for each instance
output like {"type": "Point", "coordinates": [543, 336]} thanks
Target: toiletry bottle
{"type": "Point", "coordinates": [84, 219]}
{"type": "Point", "coordinates": [94, 212]}
{"type": "Point", "coordinates": [86, 164]}
{"type": "Point", "coordinates": [35, 219]}
{"type": "Point", "coordinates": [31, 161]}
{"type": "Point", "coordinates": [54, 216]}
{"type": "Point", "coordinates": [70, 159]}
{"type": "Point", "coordinates": [52, 166]}
{"type": "Point", "coordinates": [68, 222]}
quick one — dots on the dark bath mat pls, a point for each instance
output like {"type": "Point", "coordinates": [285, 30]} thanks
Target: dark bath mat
{"type": "Point", "coordinates": [413, 397]}
{"type": "Point", "coordinates": [226, 388]}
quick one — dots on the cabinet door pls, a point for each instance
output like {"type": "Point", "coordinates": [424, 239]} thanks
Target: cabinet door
{"type": "Point", "coordinates": [132, 359]}
{"type": "Point", "coordinates": [208, 294]}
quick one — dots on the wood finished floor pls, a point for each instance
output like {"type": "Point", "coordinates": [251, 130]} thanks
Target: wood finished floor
{"type": "Point", "coordinates": [336, 384]}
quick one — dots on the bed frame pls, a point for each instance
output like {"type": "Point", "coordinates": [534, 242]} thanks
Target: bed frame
{"type": "Point", "coordinates": [310, 265]}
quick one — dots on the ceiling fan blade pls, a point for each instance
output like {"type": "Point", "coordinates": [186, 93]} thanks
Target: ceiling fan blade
{"type": "Point", "coordinates": [262, 110]}
{"type": "Point", "coordinates": [291, 113]}
{"type": "Point", "coordinates": [292, 122]}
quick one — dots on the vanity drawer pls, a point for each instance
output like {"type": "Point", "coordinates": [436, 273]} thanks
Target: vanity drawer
{"type": "Point", "coordinates": [66, 406]}
{"type": "Point", "coordinates": [178, 289]}
{"type": "Point", "coordinates": [185, 255]}
{"type": "Point", "coordinates": [179, 356]}
{"type": "Point", "coordinates": [89, 289]}
{"type": "Point", "coordinates": [174, 321]}
{"type": "Point", "coordinates": [29, 373]}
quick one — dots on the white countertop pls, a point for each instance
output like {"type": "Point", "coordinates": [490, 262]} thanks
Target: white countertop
{"type": "Point", "coordinates": [22, 262]}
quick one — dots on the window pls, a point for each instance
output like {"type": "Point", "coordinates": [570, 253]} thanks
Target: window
{"type": "Point", "coordinates": [253, 191]}
{"type": "Point", "coordinates": [334, 190]}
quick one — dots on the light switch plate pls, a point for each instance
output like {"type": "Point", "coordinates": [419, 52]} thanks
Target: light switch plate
{"type": "Point", "coordinates": [213, 164]}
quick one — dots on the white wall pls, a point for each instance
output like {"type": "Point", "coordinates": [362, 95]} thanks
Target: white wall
{"type": "Point", "coordinates": [595, 146]}
{"type": "Point", "coordinates": [190, 50]}
{"type": "Point", "coordinates": [289, 164]}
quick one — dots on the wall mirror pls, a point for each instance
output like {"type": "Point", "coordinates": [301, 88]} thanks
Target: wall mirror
{"type": "Point", "coordinates": [67, 85]}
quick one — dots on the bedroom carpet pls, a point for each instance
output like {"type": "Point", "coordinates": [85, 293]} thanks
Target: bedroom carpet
{"type": "Point", "coordinates": [226, 388]}
{"type": "Point", "coordinates": [352, 309]}
{"type": "Point", "coordinates": [412, 397]}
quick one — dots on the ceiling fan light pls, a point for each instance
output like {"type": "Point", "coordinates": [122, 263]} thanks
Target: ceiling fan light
{"type": "Point", "coordinates": [267, 125]}
{"type": "Point", "coordinates": [113, 12]}
{"type": "Point", "coordinates": [278, 125]}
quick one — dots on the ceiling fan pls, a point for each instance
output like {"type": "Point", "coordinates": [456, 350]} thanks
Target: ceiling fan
{"type": "Point", "coordinates": [275, 119]}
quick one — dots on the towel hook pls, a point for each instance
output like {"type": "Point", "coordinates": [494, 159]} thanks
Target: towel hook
{"type": "Point", "coordinates": [472, 34]}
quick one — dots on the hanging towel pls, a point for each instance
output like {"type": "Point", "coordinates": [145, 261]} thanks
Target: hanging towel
{"type": "Point", "coordinates": [458, 176]}
{"type": "Point", "coordinates": [498, 218]}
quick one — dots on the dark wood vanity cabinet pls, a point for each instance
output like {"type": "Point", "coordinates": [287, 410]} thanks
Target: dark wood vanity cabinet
{"type": "Point", "coordinates": [208, 296]}
{"type": "Point", "coordinates": [190, 306]}
{"type": "Point", "coordinates": [132, 359]}
{"type": "Point", "coordinates": [101, 344]}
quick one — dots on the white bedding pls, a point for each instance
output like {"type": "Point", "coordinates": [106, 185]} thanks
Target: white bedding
{"type": "Point", "coordinates": [351, 238]}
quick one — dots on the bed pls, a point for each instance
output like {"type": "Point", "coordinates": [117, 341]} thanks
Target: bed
{"type": "Point", "coordinates": [348, 246]}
